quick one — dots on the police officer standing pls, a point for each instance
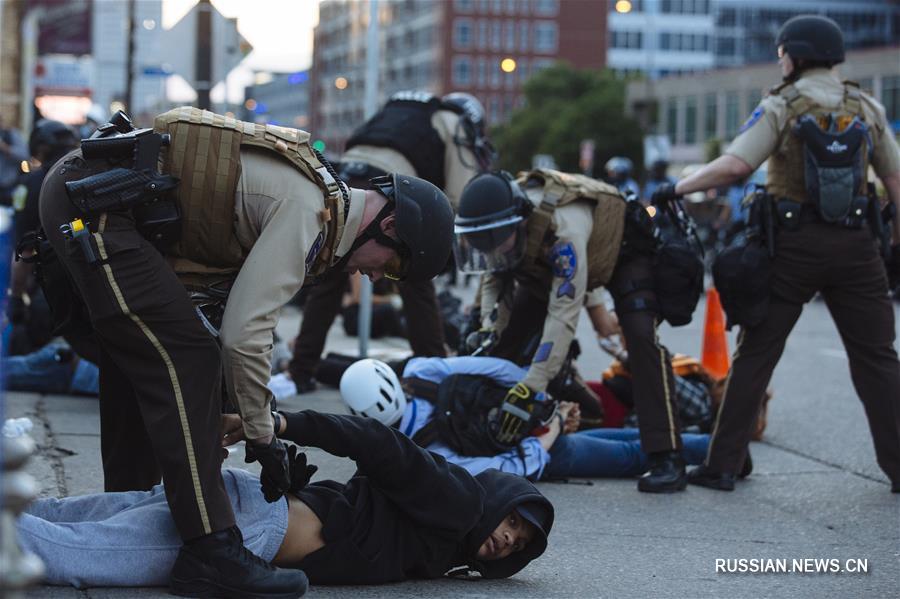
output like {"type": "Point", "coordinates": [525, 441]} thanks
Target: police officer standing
{"type": "Point", "coordinates": [259, 210]}
{"type": "Point", "coordinates": [543, 241]}
{"type": "Point", "coordinates": [442, 140]}
{"type": "Point", "coordinates": [813, 127]}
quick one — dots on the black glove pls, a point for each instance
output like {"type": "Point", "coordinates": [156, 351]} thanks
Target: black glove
{"type": "Point", "coordinates": [301, 472]}
{"type": "Point", "coordinates": [664, 193]}
{"type": "Point", "coordinates": [275, 478]}
{"type": "Point", "coordinates": [894, 267]}
{"type": "Point", "coordinates": [482, 339]}
{"type": "Point", "coordinates": [516, 414]}
{"type": "Point", "coordinates": [15, 310]}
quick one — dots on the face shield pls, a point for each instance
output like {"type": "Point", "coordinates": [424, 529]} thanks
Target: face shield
{"type": "Point", "coordinates": [495, 246]}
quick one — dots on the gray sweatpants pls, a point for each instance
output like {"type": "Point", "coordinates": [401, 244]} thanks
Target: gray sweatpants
{"type": "Point", "coordinates": [129, 539]}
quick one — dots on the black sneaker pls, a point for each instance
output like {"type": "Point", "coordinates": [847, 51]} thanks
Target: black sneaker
{"type": "Point", "coordinates": [666, 474]}
{"type": "Point", "coordinates": [705, 477]}
{"type": "Point", "coordinates": [218, 565]}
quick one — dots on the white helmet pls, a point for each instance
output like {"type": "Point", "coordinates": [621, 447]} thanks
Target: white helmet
{"type": "Point", "coordinates": [371, 388]}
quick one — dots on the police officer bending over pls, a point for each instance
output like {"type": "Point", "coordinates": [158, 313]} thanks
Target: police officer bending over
{"type": "Point", "coordinates": [542, 250]}
{"type": "Point", "coordinates": [443, 141]}
{"type": "Point", "coordinates": [259, 211]}
{"type": "Point", "coordinates": [821, 134]}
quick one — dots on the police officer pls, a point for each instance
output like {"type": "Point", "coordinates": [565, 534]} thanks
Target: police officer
{"type": "Point", "coordinates": [824, 243]}
{"type": "Point", "coordinates": [259, 209]}
{"type": "Point", "coordinates": [543, 241]}
{"type": "Point", "coordinates": [442, 140]}
{"type": "Point", "coordinates": [619, 171]}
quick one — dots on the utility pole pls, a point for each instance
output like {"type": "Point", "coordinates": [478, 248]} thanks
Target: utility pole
{"type": "Point", "coordinates": [129, 62]}
{"type": "Point", "coordinates": [370, 106]}
{"type": "Point", "coordinates": [203, 60]}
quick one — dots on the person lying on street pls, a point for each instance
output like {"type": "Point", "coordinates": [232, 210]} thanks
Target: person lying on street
{"type": "Point", "coordinates": [451, 406]}
{"type": "Point", "coordinates": [407, 513]}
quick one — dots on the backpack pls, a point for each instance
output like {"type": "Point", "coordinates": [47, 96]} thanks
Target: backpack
{"type": "Point", "coordinates": [465, 410]}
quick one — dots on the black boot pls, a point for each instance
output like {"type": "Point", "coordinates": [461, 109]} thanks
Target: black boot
{"type": "Point", "coordinates": [218, 565]}
{"type": "Point", "coordinates": [666, 474]}
{"type": "Point", "coordinates": [703, 476]}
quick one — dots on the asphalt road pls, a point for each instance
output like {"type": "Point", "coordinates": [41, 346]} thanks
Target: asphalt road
{"type": "Point", "coordinates": [816, 492]}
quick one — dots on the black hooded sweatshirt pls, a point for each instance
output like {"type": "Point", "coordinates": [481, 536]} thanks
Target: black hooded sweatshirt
{"type": "Point", "coordinates": [406, 513]}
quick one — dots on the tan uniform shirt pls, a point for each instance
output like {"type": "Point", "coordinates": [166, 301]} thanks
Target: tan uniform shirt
{"type": "Point", "coordinates": [574, 222]}
{"type": "Point", "coordinates": [762, 131]}
{"type": "Point", "coordinates": [459, 162]}
{"type": "Point", "coordinates": [278, 227]}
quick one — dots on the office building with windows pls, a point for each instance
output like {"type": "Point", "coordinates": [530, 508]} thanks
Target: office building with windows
{"type": "Point", "coordinates": [673, 37]}
{"type": "Point", "coordinates": [282, 99]}
{"type": "Point", "coordinates": [487, 48]}
{"type": "Point", "coordinates": [692, 109]}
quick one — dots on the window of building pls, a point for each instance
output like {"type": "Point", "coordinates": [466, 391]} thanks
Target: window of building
{"type": "Point", "coordinates": [753, 98]}
{"type": "Point", "coordinates": [496, 31]}
{"type": "Point", "coordinates": [690, 120]}
{"type": "Point", "coordinates": [725, 46]}
{"type": "Point", "coordinates": [710, 116]}
{"type": "Point", "coordinates": [510, 37]}
{"type": "Point", "coordinates": [540, 64]}
{"type": "Point", "coordinates": [672, 120]}
{"type": "Point", "coordinates": [482, 72]}
{"type": "Point", "coordinates": [484, 6]}
{"type": "Point", "coordinates": [890, 97]}
{"type": "Point", "coordinates": [462, 33]}
{"type": "Point", "coordinates": [511, 7]}
{"type": "Point", "coordinates": [482, 34]}
{"type": "Point", "coordinates": [867, 84]}
{"type": "Point", "coordinates": [497, 6]}
{"type": "Point", "coordinates": [523, 36]}
{"type": "Point", "coordinates": [522, 68]}
{"type": "Point", "coordinates": [732, 115]}
{"type": "Point", "coordinates": [545, 36]}
{"type": "Point", "coordinates": [628, 39]}
{"type": "Point", "coordinates": [495, 73]}
{"type": "Point", "coordinates": [464, 5]}
{"type": "Point", "coordinates": [493, 109]}
{"type": "Point", "coordinates": [462, 70]}
{"type": "Point", "coordinates": [547, 8]}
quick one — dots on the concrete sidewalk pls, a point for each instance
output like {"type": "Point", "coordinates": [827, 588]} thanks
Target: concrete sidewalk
{"type": "Point", "coordinates": [816, 492]}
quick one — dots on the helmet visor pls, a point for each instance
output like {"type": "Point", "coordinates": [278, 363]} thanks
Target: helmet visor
{"type": "Point", "coordinates": [497, 249]}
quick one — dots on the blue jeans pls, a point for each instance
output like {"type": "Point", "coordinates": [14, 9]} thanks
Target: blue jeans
{"type": "Point", "coordinates": [43, 372]}
{"type": "Point", "coordinates": [611, 452]}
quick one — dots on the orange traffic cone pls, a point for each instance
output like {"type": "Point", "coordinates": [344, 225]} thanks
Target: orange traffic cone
{"type": "Point", "coordinates": [715, 344]}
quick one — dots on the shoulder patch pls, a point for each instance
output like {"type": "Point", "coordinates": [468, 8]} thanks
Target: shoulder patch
{"type": "Point", "coordinates": [314, 251]}
{"type": "Point", "coordinates": [754, 117]}
{"type": "Point", "coordinates": [564, 262]}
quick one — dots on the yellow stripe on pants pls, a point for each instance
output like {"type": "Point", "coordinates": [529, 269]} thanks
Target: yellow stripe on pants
{"type": "Point", "coordinates": [666, 391]}
{"type": "Point", "coordinates": [173, 377]}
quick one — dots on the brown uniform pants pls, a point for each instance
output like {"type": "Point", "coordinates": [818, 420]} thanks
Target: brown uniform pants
{"type": "Point", "coordinates": [160, 370]}
{"type": "Point", "coordinates": [843, 265]}
{"type": "Point", "coordinates": [323, 302]}
{"type": "Point", "coordinates": [649, 362]}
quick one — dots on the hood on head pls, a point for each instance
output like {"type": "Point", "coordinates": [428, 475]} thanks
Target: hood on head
{"type": "Point", "coordinates": [503, 493]}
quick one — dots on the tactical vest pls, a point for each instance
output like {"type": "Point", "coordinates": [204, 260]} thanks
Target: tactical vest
{"type": "Point", "coordinates": [405, 125]}
{"type": "Point", "coordinates": [788, 161]}
{"type": "Point", "coordinates": [603, 247]}
{"type": "Point", "coordinates": [205, 154]}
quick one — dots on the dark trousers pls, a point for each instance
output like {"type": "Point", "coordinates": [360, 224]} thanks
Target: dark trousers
{"type": "Point", "coordinates": [160, 370]}
{"type": "Point", "coordinates": [649, 362]}
{"type": "Point", "coordinates": [323, 302]}
{"type": "Point", "coordinates": [843, 265]}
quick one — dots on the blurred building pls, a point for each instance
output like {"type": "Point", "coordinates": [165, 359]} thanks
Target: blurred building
{"type": "Point", "coordinates": [694, 108]}
{"type": "Point", "coordinates": [663, 37]}
{"type": "Point", "coordinates": [282, 100]}
{"type": "Point", "coordinates": [485, 47]}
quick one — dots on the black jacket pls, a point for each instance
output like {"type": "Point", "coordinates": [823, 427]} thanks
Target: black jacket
{"type": "Point", "coordinates": [406, 513]}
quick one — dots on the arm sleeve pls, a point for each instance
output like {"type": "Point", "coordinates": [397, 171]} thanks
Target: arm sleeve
{"type": "Point", "coordinates": [424, 485]}
{"type": "Point", "coordinates": [885, 153]}
{"type": "Point", "coordinates": [758, 136]}
{"type": "Point", "coordinates": [568, 258]}
{"type": "Point", "coordinates": [495, 292]}
{"type": "Point", "coordinates": [272, 273]}
{"type": "Point", "coordinates": [437, 369]}
{"type": "Point", "coordinates": [530, 464]}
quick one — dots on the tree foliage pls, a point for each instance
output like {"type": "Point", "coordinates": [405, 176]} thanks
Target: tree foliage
{"type": "Point", "coordinates": [564, 106]}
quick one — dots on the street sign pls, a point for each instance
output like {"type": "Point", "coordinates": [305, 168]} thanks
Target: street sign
{"type": "Point", "coordinates": [62, 75]}
{"type": "Point", "coordinates": [179, 46]}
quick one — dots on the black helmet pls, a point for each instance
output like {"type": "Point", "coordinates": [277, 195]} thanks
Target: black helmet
{"type": "Point", "coordinates": [812, 37]}
{"type": "Point", "coordinates": [492, 208]}
{"type": "Point", "coordinates": [472, 127]}
{"type": "Point", "coordinates": [424, 225]}
{"type": "Point", "coordinates": [51, 139]}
